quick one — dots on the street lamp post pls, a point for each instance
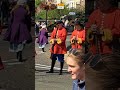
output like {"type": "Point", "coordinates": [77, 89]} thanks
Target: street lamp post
{"type": "Point", "coordinates": [46, 16]}
{"type": "Point", "coordinates": [47, 7]}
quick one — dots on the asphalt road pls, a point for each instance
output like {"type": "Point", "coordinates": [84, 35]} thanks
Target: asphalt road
{"type": "Point", "coordinates": [17, 75]}
{"type": "Point", "coordinates": [23, 76]}
{"type": "Point", "coordinates": [53, 81]}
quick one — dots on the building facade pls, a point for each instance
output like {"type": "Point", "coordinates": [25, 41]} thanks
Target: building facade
{"type": "Point", "coordinates": [71, 4]}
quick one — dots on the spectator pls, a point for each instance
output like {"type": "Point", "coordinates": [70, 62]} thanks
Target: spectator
{"type": "Point", "coordinates": [76, 67]}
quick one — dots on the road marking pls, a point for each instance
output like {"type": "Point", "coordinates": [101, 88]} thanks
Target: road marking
{"type": "Point", "coordinates": [15, 63]}
{"type": "Point", "coordinates": [11, 60]}
{"type": "Point", "coordinates": [47, 67]}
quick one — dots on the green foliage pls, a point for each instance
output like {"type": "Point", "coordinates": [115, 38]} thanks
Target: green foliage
{"type": "Point", "coordinates": [56, 13]}
{"type": "Point", "coordinates": [53, 14]}
{"type": "Point", "coordinates": [37, 2]}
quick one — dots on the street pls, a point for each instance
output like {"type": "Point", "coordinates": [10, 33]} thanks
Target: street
{"type": "Point", "coordinates": [23, 76]}
{"type": "Point", "coordinates": [50, 81]}
{"type": "Point", "coordinates": [17, 75]}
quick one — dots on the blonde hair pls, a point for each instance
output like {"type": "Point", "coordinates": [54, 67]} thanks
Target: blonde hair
{"type": "Point", "coordinates": [78, 55]}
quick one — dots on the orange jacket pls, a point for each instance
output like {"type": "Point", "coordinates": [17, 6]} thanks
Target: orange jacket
{"type": "Point", "coordinates": [110, 20]}
{"type": "Point", "coordinates": [59, 48]}
{"type": "Point", "coordinates": [78, 34]}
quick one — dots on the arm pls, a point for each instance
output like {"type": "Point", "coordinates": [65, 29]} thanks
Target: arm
{"type": "Point", "coordinates": [83, 37]}
{"type": "Point", "coordinates": [91, 19]}
{"type": "Point", "coordinates": [63, 36]}
{"type": "Point", "coordinates": [116, 28]}
{"type": "Point", "coordinates": [53, 34]}
{"type": "Point", "coordinates": [72, 35]}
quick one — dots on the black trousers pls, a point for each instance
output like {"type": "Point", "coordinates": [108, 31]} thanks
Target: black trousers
{"type": "Point", "coordinates": [54, 58]}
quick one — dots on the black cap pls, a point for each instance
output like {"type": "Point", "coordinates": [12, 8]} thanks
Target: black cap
{"type": "Point", "coordinates": [59, 22]}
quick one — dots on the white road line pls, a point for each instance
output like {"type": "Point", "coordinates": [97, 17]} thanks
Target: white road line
{"type": "Point", "coordinates": [46, 66]}
{"type": "Point", "coordinates": [42, 67]}
{"type": "Point", "coordinates": [15, 63]}
{"type": "Point", "coordinates": [12, 60]}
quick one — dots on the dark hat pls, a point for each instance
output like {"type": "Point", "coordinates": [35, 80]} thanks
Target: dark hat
{"type": "Point", "coordinates": [79, 23]}
{"type": "Point", "coordinates": [59, 22]}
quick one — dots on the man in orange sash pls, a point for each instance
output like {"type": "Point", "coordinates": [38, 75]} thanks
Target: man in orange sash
{"type": "Point", "coordinates": [58, 48]}
{"type": "Point", "coordinates": [105, 22]}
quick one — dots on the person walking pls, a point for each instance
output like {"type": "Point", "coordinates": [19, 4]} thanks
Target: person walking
{"type": "Point", "coordinates": [78, 36]}
{"type": "Point", "coordinates": [58, 48]}
{"type": "Point", "coordinates": [18, 34]}
{"type": "Point", "coordinates": [42, 37]}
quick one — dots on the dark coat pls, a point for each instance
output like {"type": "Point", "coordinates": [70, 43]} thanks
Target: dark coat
{"type": "Point", "coordinates": [18, 30]}
{"type": "Point", "coordinates": [42, 37]}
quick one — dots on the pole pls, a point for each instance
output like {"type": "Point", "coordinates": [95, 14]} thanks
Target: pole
{"type": "Point", "coordinates": [46, 16]}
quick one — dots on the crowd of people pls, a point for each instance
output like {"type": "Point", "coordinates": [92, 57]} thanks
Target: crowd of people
{"type": "Point", "coordinates": [102, 32]}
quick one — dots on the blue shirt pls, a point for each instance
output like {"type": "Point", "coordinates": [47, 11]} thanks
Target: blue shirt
{"type": "Point", "coordinates": [78, 85]}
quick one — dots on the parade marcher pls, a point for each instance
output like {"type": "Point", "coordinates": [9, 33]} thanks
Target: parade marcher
{"type": "Point", "coordinates": [78, 36]}
{"type": "Point", "coordinates": [58, 48]}
{"type": "Point", "coordinates": [18, 33]}
{"type": "Point", "coordinates": [76, 67]}
{"type": "Point", "coordinates": [42, 37]}
{"type": "Point", "coordinates": [103, 26]}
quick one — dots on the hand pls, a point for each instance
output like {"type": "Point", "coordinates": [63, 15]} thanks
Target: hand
{"type": "Point", "coordinates": [94, 27]}
{"type": "Point", "coordinates": [73, 38]}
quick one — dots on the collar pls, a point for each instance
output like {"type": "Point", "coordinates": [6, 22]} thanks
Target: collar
{"type": "Point", "coordinates": [81, 83]}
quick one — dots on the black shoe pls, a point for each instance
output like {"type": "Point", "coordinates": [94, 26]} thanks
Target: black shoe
{"type": "Point", "coordinates": [60, 73]}
{"type": "Point", "coordinates": [50, 71]}
{"type": "Point", "coordinates": [20, 59]}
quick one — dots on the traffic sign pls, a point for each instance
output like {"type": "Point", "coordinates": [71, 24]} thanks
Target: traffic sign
{"type": "Point", "coordinates": [72, 13]}
{"type": "Point", "coordinates": [60, 6]}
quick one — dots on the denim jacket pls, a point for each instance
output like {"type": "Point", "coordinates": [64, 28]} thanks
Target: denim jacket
{"type": "Point", "coordinates": [78, 85]}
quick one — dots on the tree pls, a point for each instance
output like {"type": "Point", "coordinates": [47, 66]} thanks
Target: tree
{"type": "Point", "coordinates": [56, 13]}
